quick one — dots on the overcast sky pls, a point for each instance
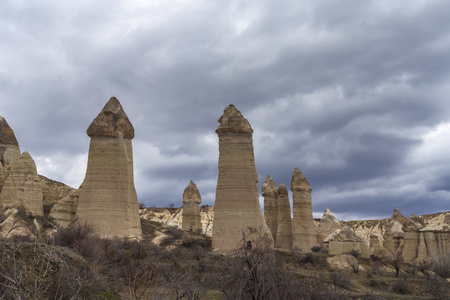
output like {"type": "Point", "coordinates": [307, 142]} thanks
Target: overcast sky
{"type": "Point", "coordinates": [356, 94]}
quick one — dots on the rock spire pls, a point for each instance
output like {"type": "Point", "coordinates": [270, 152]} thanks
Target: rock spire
{"type": "Point", "coordinates": [237, 209]}
{"type": "Point", "coordinates": [328, 224]}
{"type": "Point", "coordinates": [9, 150]}
{"type": "Point", "coordinates": [303, 230]}
{"type": "Point", "coordinates": [284, 231]}
{"type": "Point", "coordinates": [269, 192]}
{"type": "Point", "coordinates": [107, 196]}
{"type": "Point", "coordinates": [191, 208]}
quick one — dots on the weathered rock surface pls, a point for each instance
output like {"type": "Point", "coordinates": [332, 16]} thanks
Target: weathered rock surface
{"type": "Point", "coordinates": [346, 240]}
{"type": "Point", "coordinates": [284, 231]}
{"type": "Point", "coordinates": [343, 262]}
{"type": "Point", "coordinates": [237, 209]}
{"type": "Point", "coordinates": [328, 224]}
{"type": "Point", "coordinates": [375, 245]}
{"type": "Point", "coordinates": [64, 212]}
{"type": "Point", "coordinates": [9, 150]}
{"type": "Point", "coordinates": [53, 191]}
{"type": "Point", "coordinates": [410, 242]}
{"type": "Point", "coordinates": [191, 208]}
{"type": "Point", "coordinates": [303, 231]}
{"type": "Point", "coordinates": [23, 186]}
{"type": "Point", "coordinates": [269, 192]}
{"type": "Point", "coordinates": [107, 196]}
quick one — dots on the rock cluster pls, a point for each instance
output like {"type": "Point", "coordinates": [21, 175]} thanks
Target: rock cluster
{"type": "Point", "coordinates": [269, 192]}
{"type": "Point", "coordinates": [237, 209]}
{"type": "Point", "coordinates": [107, 196]}
{"type": "Point", "coordinates": [191, 208]}
{"type": "Point", "coordinates": [303, 230]}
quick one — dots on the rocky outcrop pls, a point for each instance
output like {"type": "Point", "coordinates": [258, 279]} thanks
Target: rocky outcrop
{"type": "Point", "coordinates": [303, 230]}
{"type": "Point", "coordinates": [9, 150]}
{"type": "Point", "coordinates": [375, 245]}
{"type": "Point", "coordinates": [237, 209]}
{"type": "Point", "coordinates": [269, 192]}
{"type": "Point", "coordinates": [344, 241]}
{"type": "Point", "coordinates": [191, 208]}
{"type": "Point", "coordinates": [328, 224]}
{"type": "Point", "coordinates": [107, 196]}
{"type": "Point", "coordinates": [410, 242]}
{"type": "Point", "coordinates": [53, 191]}
{"type": "Point", "coordinates": [23, 186]}
{"type": "Point", "coordinates": [64, 212]}
{"type": "Point", "coordinates": [284, 231]}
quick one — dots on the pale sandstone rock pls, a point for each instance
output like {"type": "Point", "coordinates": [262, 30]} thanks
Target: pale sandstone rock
{"type": "Point", "coordinates": [410, 240]}
{"type": "Point", "coordinates": [346, 240]}
{"type": "Point", "coordinates": [107, 196]}
{"type": "Point", "coordinates": [64, 212]}
{"type": "Point", "coordinates": [389, 240]}
{"type": "Point", "coordinates": [397, 216]}
{"type": "Point", "coordinates": [269, 192]}
{"type": "Point", "coordinates": [284, 230]}
{"type": "Point", "coordinates": [375, 245]}
{"type": "Point", "coordinates": [23, 186]}
{"type": "Point", "coordinates": [237, 209]}
{"type": "Point", "coordinates": [52, 192]}
{"type": "Point", "coordinates": [9, 150]}
{"type": "Point", "coordinates": [191, 208]}
{"type": "Point", "coordinates": [303, 230]}
{"type": "Point", "coordinates": [328, 224]}
{"type": "Point", "coordinates": [343, 262]}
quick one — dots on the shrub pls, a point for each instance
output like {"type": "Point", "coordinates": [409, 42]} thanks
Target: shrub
{"type": "Point", "coordinates": [68, 237]}
{"type": "Point", "coordinates": [316, 249]}
{"type": "Point", "coordinates": [340, 279]}
{"type": "Point", "coordinates": [441, 266]}
{"type": "Point", "coordinates": [401, 287]}
{"type": "Point", "coordinates": [307, 258]}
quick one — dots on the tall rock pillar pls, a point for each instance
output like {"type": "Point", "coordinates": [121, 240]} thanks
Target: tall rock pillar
{"type": "Point", "coordinates": [269, 192]}
{"type": "Point", "coordinates": [191, 208]}
{"type": "Point", "coordinates": [107, 196]}
{"type": "Point", "coordinates": [237, 212]}
{"type": "Point", "coordinates": [303, 231]}
{"type": "Point", "coordinates": [284, 232]}
{"type": "Point", "coordinates": [9, 150]}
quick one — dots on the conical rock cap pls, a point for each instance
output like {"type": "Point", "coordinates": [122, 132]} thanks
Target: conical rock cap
{"type": "Point", "coordinates": [233, 121]}
{"type": "Point", "coordinates": [191, 194]}
{"type": "Point", "coordinates": [269, 188]}
{"type": "Point", "coordinates": [7, 136]}
{"type": "Point", "coordinates": [299, 181]}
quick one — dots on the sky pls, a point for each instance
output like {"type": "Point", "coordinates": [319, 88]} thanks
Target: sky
{"type": "Point", "coordinates": [356, 94]}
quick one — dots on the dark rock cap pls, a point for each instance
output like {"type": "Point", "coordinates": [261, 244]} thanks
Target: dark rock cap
{"type": "Point", "coordinates": [7, 136]}
{"type": "Point", "coordinates": [282, 190]}
{"type": "Point", "coordinates": [269, 188]}
{"type": "Point", "coordinates": [233, 121]}
{"type": "Point", "coordinates": [111, 121]}
{"type": "Point", "coordinates": [299, 182]}
{"type": "Point", "coordinates": [191, 194]}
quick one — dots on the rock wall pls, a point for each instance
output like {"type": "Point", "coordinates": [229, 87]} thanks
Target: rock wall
{"type": "Point", "coordinates": [237, 209]}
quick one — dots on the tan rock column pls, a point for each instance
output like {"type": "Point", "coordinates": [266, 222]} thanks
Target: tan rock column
{"type": "Point", "coordinates": [410, 239]}
{"type": "Point", "coordinates": [236, 210]}
{"type": "Point", "coordinates": [191, 208]}
{"type": "Point", "coordinates": [23, 186]}
{"type": "Point", "coordinates": [328, 224]}
{"type": "Point", "coordinates": [303, 230]}
{"type": "Point", "coordinates": [107, 196]}
{"type": "Point", "coordinates": [9, 150]}
{"type": "Point", "coordinates": [284, 231]}
{"type": "Point", "coordinates": [269, 192]}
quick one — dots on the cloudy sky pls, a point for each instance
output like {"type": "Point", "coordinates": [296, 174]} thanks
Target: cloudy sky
{"type": "Point", "coordinates": [354, 93]}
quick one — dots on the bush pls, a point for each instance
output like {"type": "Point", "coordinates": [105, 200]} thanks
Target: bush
{"type": "Point", "coordinates": [401, 287]}
{"type": "Point", "coordinates": [316, 249]}
{"type": "Point", "coordinates": [68, 237]}
{"type": "Point", "coordinates": [340, 279]}
{"type": "Point", "coordinates": [307, 258]}
{"type": "Point", "coordinates": [354, 253]}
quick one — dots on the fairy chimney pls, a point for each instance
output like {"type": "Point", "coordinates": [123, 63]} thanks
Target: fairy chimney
{"type": "Point", "coordinates": [237, 212]}
{"type": "Point", "coordinates": [269, 192]}
{"type": "Point", "coordinates": [191, 208]}
{"type": "Point", "coordinates": [107, 196]}
{"type": "Point", "coordinates": [303, 230]}
{"type": "Point", "coordinates": [9, 150]}
{"type": "Point", "coordinates": [284, 231]}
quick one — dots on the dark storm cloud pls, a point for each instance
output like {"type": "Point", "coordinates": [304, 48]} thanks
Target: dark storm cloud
{"type": "Point", "coordinates": [354, 93]}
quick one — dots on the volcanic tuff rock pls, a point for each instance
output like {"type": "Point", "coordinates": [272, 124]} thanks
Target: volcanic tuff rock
{"type": "Point", "coordinates": [23, 186]}
{"type": "Point", "coordinates": [269, 192]}
{"type": "Point", "coordinates": [9, 150]}
{"type": "Point", "coordinates": [328, 224]}
{"type": "Point", "coordinates": [191, 208]}
{"type": "Point", "coordinates": [237, 209]}
{"type": "Point", "coordinates": [64, 212]}
{"type": "Point", "coordinates": [53, 191]}
{"type": "Point", "coordinates": [284, 231]}
{"type": "Point", "coordinates": [107, 196]}
{"type": "Point", "coordinates": [303, 230]}
{"type": "Point", "coordinates": [345, 240]}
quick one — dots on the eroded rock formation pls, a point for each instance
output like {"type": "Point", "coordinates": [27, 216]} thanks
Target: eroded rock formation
{"type": "Point", "coordinates": [23, 186]}
{"type": "Point", "coordinates": [269, 192]}
{"type": "Point", "coordinates": [328, 224]}
{"type": "Point", "coordinates": [284, 231]}
{"type": "Point", "coordinates": [344, 241]}
{"type": "Point", "coordinates": [191, 208]}
{"type": "Point", "coordinates": [303, 230]}
{"type": "Point", "coordinates": [237, 209]}
{"type": "Point", "coordinates": [107, 196]}
{"type": "Point", "coordinates": [64, 212]}
{"type": "Point", "coordinates": [9, 150]}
